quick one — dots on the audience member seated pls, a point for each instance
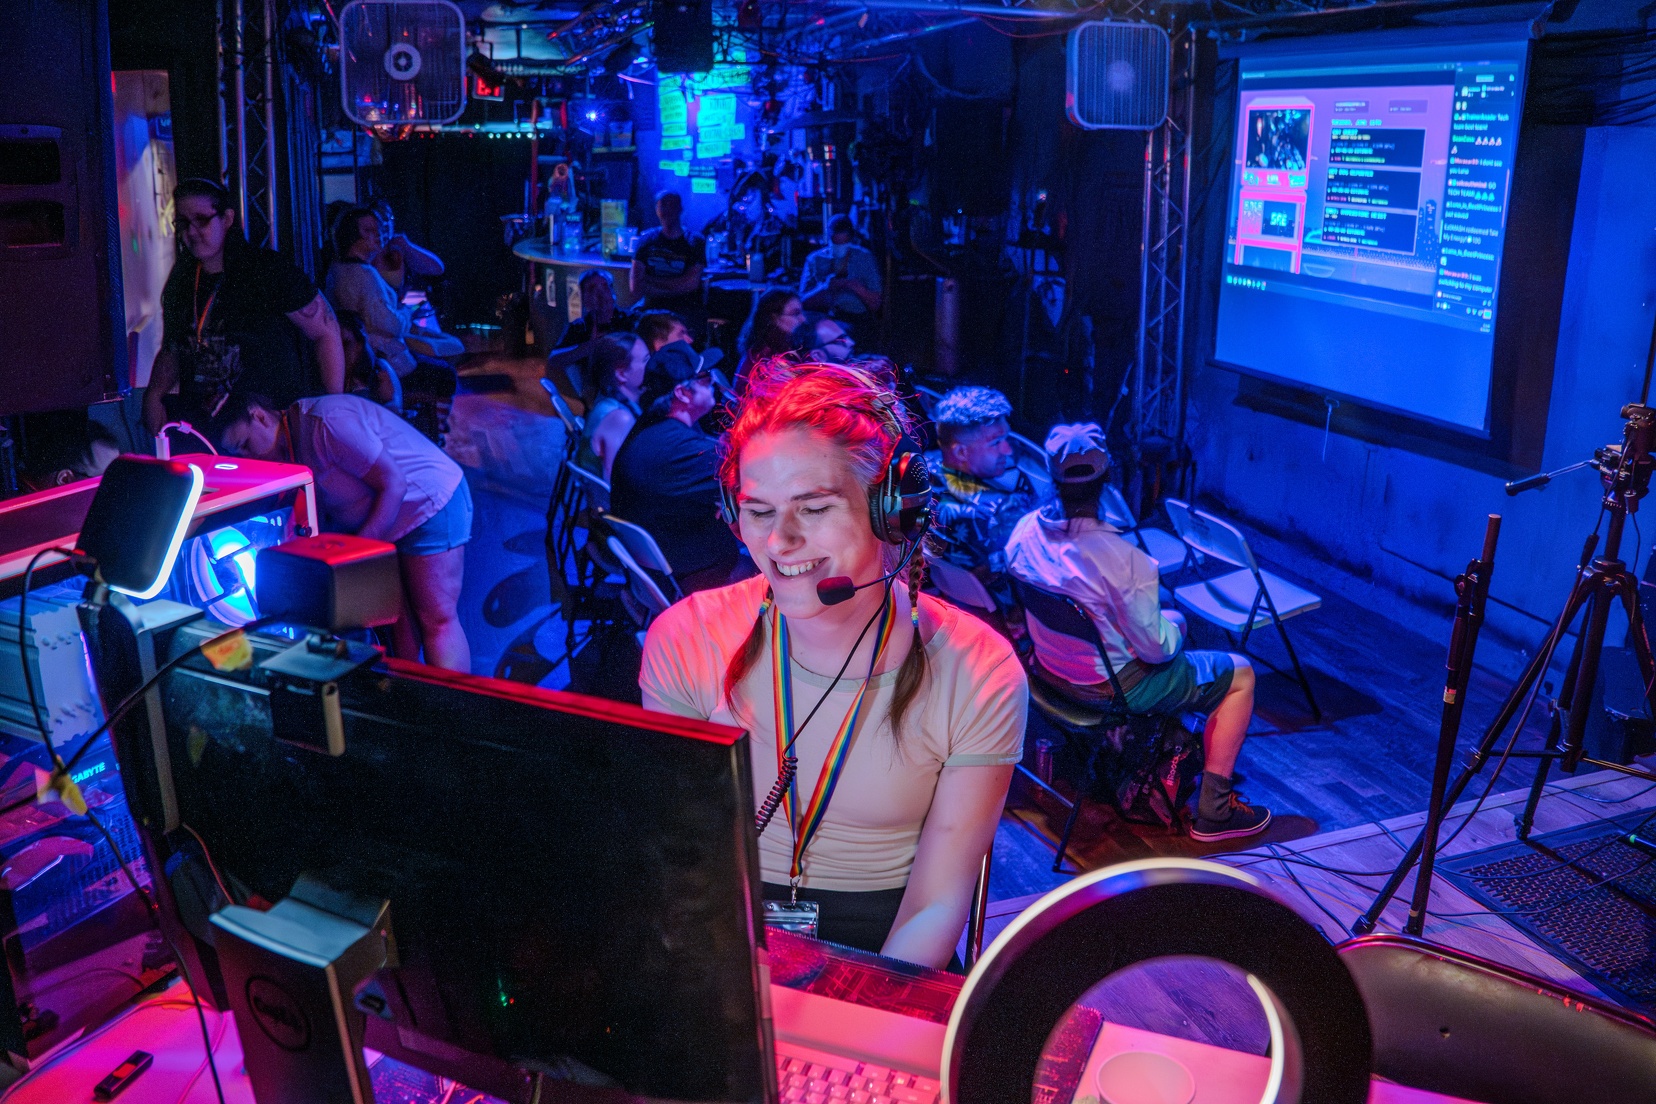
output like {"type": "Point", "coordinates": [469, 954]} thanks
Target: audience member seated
{"type": "Point", "coordinates": [842, 279]}
{"type": "Point", "coordinates": [668, 263]}
{"type": "Point", "coordinates": [618, 362]}
{"type": "Point", "coordinates": [401, 259]}
{"type": "Point", "coordinates": [769, 332]}
{"type": "Point", "coordinates": [662, 327]}
{"type": "Point", "coordinates": [981, 492]}
{"type": "Point", "coordinates": [366, 373]}
{"type": "Point", "coordinates": [1066, 548]}
{"type": "Point", "coordinates": [64, 447]}
{"type": "Point", "coordinates": [665, 476]}
{"type": "Point", "coordinates": [354, 284]}
{"type": "Point", "coordinates": [235, 319]}
{"type": "Point", "coordinates": [378, 478]}
{"type": "Point", "coordinates": [824, 341]}
{"type": "Point", "coordinates": [600, 315]}
{"type": "Point", "coordinates": [892, 860]}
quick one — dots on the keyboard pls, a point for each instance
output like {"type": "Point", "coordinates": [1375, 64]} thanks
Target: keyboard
{"type": "Point", "coordinates": [807, 1076]}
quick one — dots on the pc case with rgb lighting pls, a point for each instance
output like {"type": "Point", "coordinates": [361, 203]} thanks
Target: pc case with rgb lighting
{"type": "Point", "coordinates": [78, 941]}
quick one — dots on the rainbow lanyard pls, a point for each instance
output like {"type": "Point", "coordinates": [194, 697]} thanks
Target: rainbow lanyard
{"type": "Point", "coordinates": [804, 827]}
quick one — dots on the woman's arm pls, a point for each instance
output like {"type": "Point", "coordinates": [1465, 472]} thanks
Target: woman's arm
{"type": "Point", "coordinates": [390, 486]}
{"type": "Point", "coordinates": [958, 831]}
{"type": "Point", "coordinates": [607, 438]}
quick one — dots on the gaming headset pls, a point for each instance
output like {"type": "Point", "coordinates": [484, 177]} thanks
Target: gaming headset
{"type": "Point", "coordinates": [899, 505]}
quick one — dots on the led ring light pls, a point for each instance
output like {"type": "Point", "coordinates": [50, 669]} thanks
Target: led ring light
{"type": "Point", "coordinates": [1081, 933]}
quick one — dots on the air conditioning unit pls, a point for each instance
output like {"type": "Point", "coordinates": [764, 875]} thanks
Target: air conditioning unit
{"type": "Point", "coordinates": [402, 61]}
{"type": "Point", "coordinates": [1117, 75]}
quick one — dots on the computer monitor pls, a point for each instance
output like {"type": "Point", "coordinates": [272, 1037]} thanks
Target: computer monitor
{"type": "Point", "coordinates": [572, 882]}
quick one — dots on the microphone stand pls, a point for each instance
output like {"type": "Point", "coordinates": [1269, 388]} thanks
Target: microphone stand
{"type": "Point", "coordinates": [1472, 591]}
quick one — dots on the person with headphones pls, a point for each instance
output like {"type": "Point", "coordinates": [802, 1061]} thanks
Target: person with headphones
{"type": "Point", "coordinates": [885, 723]}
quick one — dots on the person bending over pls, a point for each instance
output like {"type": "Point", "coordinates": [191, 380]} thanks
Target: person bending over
{"type": "Point", "coordinates": [982, 492]}
{"type": "Point", "coordinates": [618, 362]}
{"type": "Point", "coordinates": [236, 320]}
{"type": "Point", "coordinates": [928, 717]}
{"type": "Point", "coordinates": [377, 477]}
{"type": "Point", "coordinates": [1066, 548]}
{"type": "Point", "coordinates": [64, 447]}
{"type": "Point", "coordinates": [665, 475]}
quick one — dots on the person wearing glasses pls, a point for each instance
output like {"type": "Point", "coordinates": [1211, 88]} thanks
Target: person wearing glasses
{"type": "Point", "coordinates": [666, 474]}
{"type": "Point", "coordinates": [825, 342]}
{"type": "Point", "coordinates": [236, 319]}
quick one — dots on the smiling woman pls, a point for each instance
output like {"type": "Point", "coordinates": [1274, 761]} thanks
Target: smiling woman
{"type": "Point", "coordinates": [905, 715]}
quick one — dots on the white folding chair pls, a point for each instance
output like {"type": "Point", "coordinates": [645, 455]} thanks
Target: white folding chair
{"type": "Point", "coordinates": [960, 586]}
{"type": "Point", "coordinates": [572, 421]}
{"type": "Point", "coordinates": [595, 492]}
{"type": "Point", "coordinates": [644, 550]}
{"type": "Point", "coordinates": [1026, 453]}
{"type": "Point", "coordinates": [1243, 600]}
{"type": "Point", "coordinates": [560, 511]}
{"type": "Point", "coordinates": [647, 599]}
{"type": "Point", "coordinates": [1169, 552]}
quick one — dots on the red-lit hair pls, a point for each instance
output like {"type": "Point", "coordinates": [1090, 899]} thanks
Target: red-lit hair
{"type": "Point", "coordinates": [850, 407]}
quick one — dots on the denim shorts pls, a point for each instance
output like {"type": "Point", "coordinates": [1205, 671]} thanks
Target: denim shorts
{"type": "Point", "coordinates": [448, 528]}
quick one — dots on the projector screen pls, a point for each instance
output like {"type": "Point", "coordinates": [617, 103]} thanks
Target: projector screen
{"type": "Point", "coordinates": [1366, 218]}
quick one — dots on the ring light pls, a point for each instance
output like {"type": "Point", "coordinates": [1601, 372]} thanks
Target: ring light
{"type": "Point", "coordinates": [1108, 920]}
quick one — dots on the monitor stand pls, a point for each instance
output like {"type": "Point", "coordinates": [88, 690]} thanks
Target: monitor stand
{"type": "Point", "coordinates": [293, 974]}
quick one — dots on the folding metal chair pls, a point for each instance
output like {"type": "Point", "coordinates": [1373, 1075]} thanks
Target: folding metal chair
{"type": "Point", "coordinates": [591, 561]}
{"type": "Point", "coordinates": [1243, 600]}
{"type": "Point", "coordinates": [1169, 552]}
{"type": "Point", "coordinates": [1082, 723]}
{"type": "Point", "coordinates": [646, 553]}
{"type": "Point", "coordinates": [648, 601]}
{"type": "Point", "coordinates": [560, 510]}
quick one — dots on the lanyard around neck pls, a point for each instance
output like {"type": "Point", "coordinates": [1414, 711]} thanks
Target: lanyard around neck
{"type": "Point", "coordinates": [195, 297]}
{"type": "Point", "coordinates": [806, 824]}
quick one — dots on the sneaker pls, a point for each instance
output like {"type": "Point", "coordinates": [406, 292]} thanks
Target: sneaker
{"type": "Point", "coordinates": [1244, 820]}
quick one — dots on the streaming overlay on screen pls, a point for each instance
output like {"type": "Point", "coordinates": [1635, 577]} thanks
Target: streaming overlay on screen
{"type": "Point", "coordinates": [1367, 217]}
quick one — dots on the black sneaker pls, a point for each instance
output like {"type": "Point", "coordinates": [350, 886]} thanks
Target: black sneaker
{"type": "Point", "coordinates": [1244, 820]}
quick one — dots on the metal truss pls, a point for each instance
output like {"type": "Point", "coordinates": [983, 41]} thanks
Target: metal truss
{"type": "Point", "coordinates": [1156, 429]}
{"type": "Point", "coordinates": [248, 136]}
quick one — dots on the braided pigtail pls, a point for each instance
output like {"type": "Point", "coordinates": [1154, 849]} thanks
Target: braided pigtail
{"type": "Point", "coordinates": [913, 671]}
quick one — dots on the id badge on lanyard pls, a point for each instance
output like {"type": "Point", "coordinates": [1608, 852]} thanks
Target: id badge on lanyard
{"type": "Point", "coordinates": [799, 917]}
{"type": "Point", "coordinates": [794, 915]}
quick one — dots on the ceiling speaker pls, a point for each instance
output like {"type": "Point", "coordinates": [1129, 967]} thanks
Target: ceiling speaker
{"type": "Point", "coordinates": [1117, 75]}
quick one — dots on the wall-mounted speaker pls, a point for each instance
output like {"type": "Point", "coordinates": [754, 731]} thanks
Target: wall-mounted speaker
{"type": "Point", "coordinates": [1116, 78]}
{"type": "Point", "coordinates": [63, 341]}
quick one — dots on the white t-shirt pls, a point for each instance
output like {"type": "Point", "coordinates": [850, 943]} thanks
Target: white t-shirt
{"type": "Point", "coordinates": [1118, 585]}
{"type": "Point", "coordinates": [339, 437]}
{"type": "Point", "coordinates": [971, 711]}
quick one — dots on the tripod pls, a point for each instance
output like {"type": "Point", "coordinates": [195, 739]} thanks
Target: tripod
{"type": "Point", "coordinates": [1625, 471]}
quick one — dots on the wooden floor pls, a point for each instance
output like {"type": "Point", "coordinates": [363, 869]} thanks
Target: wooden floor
{"type": "Point", "coordinates": [1368, 759]}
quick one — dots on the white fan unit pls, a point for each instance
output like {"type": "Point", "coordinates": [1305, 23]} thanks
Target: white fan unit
{"type": "Point", "coordinates": [402, 61]}
{"type": "Point", "coordinates": [1117, 76]}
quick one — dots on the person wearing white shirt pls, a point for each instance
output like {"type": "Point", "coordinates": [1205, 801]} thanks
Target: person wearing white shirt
{"type": "Point", "coordinates": [1065, 548]}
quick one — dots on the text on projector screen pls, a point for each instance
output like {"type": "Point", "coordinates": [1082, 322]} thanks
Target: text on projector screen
{"type": "Point", "coordinates": [1366, 222]}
